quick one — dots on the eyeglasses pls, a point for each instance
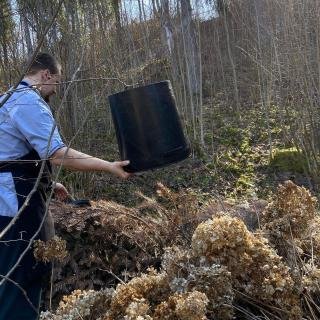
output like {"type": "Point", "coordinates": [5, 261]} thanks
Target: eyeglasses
{"type": "Point", "coordinates": [55, 75]}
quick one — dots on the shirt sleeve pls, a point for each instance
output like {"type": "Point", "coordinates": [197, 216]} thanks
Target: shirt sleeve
{"type": "Point", "coordinates": [36, 123]}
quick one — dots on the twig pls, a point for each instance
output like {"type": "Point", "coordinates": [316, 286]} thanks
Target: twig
{"type": "Point", "coordinates": [114, 275]}
{"type": "Point", "coordinates": [79, 313]}
{"type": "Point", "coordinates": [51, 286]}
{"type": "Point", "coordinates": [310, 308]}
{"type": "Point", "coordinates": [260, 303]}
{"type": "Point", "coordinates": [100, 78]}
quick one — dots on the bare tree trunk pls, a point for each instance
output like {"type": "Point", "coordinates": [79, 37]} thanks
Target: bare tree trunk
{"type": "Point", "coordinates": [6, 26]}
{"type": "Point", "coordinates": [234, 72]}
{"type": "Point", "coordinates": [116, 6]}
{"type": "Point", "coordinates": [166, 25]}
{"type": "Point", "coordinates": [190, 45]}
{"type": "Point", "coordinates": [26, 29]}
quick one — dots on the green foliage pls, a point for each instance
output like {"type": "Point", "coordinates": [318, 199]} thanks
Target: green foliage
{"type": "Point", "coordinates": [234, 137]}
{"type": "Point", "coordinates": [289, 160]}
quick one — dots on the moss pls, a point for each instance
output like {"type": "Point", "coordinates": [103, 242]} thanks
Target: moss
{"type": "Point", "coordinates": [233, 136]}
{"type": "Point", "coordinates": [289, 160]}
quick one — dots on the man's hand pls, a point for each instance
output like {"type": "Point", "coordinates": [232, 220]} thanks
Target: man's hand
{"type": "Point", "coordinates": [60, 192]}
{"type": "Point", "coordinates": [116, 168]}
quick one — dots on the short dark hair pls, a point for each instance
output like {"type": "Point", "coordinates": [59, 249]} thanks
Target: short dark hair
{"type": "Point", "coordinates": [43, 61]}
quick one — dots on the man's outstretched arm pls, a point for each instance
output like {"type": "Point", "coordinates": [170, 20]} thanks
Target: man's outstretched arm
{"type": "Point", "coordinates": [75, 160]}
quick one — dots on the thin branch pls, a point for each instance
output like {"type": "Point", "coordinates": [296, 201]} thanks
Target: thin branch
{"type": "Point", "coordinates": [100, 78]}
{"type": "Point", "coordinates": [114, 275]}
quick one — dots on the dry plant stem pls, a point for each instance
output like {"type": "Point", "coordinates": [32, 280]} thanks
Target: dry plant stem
{"type": "Point", "coordinates": [60, 167]}
{"type": "Point", "coordinates": [114, 275]}
{"type": "Point", "coordinates": [22, 208]}
{"type": "Point", "coordinates": [255, 302]}
{"type": "Point", "coordinates": [3, 232]}
{"type": "Point", "coordinates": [15, 89]}
{"type": "Point", "coordinates": [307, 297]}
{"type": "Point", "coordinates": [245, 312]}
{"type": "Point", "coordinates": [51, 286]}
{"type": "Point", "coordinates": [79, 314]}
{"type": "Point", "coordinates": [310, 309]}
{"type": "Point", "coordinates": [8, 241]}
{"type": "Point", "coordinates": [98, 79]}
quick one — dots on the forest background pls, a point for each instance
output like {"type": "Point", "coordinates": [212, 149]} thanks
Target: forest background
{"type": "Point", "coordinates": [246, 75]}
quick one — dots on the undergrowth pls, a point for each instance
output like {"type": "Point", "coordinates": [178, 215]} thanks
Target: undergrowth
{"type": "Point", "coordinates": [210, 269]}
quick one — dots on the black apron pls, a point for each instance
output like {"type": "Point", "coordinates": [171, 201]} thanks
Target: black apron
{"type": "Point", "coordinates": [29, 274]}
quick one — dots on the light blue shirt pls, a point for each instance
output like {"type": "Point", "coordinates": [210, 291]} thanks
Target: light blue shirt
{"type": "Point", "coordinates": [26, 123]}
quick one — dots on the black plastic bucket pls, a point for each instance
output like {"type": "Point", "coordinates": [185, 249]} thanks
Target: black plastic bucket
{"type": "Point", "coordinates": [148, 127]}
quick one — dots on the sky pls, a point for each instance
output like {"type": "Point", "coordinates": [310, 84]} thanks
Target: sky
{"type": "Point", "coordinates": [200, 7]}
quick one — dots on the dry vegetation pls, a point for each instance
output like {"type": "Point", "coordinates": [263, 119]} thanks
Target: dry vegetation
{"type": "Point", "coordinates": [210, 268]}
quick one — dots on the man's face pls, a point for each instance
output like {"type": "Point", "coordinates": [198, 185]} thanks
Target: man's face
{"type": "Point", "coordinates": [49, 83]}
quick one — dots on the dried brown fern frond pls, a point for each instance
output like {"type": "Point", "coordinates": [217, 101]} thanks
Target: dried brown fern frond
{"type": "Point", "coordinates": [109, 239]}
{"type": "Point", "coordinates": [103, 240]}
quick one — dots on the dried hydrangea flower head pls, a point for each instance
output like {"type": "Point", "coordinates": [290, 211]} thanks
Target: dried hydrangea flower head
{"type": "Point", "coordinates": [187, 273]}
{"type": "Point", "coordinates": [81, 305]}
{"type": "Point", "coordinates": [255, 267]}
{"type": "Point", "coordinates": [291, 211]}
{"type": "Point", "coordinates": [54, 249]}
{"type": "Point", "coordinates": [138, 309]}
{"type": "Point", "coordinates": [153, 287]}
{"type": "Point", "coordinates": [184, 306]}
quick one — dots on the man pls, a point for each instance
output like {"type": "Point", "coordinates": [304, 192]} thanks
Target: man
{"type": "Point", "coordinates": [29, 138]}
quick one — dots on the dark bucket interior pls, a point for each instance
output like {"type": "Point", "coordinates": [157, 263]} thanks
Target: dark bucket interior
{"type": "Point", "coordinates": [148, 127]}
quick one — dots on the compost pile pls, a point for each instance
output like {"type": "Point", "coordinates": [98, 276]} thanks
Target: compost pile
{"type": "Point", "coordinates": [206, 262]}
{"type": "Point", "coordinates": [109, 242]}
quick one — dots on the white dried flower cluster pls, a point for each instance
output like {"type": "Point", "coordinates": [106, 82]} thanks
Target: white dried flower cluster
{"type": "Point", "coordinates": [183, 306]}
{"type": "Point", "coordinates": [192, 305]}
{"type": "Point", "coordinates": [138, 309]}
{"type": "Point", "coordinates": [79, 305]}
{"type": "Point", "coordinates": [311, 279]}
{"type": "Point", "coordinates": [187, 273]}
{"type": "Point", "coordinates": [290, 213]}
{"type": "Point", "coordinates": [151, 287]}
{"type": "Point", "coordinates": [216, 282]}
{"type": "Point", "coordinates": [292, 225]}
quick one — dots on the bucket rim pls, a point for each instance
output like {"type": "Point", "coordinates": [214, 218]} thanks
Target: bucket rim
{"type": "Point", "coordinates": [142, 87]}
